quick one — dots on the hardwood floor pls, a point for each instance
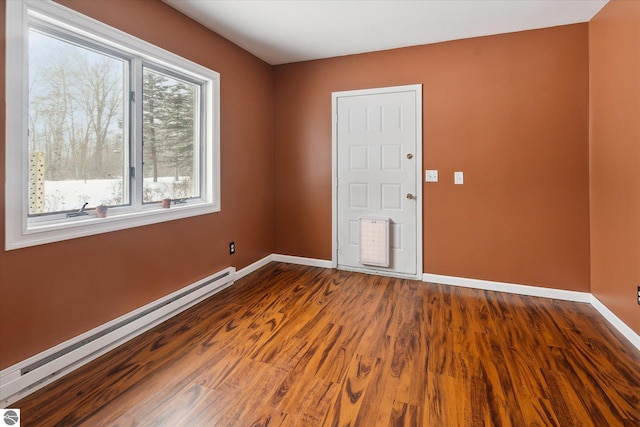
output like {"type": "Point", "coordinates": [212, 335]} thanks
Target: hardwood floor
{"type": "Point", "coordinates": [300, 346]}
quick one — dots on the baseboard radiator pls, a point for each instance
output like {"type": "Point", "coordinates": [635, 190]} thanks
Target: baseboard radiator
{"type": "Point", "coordinates": [25, 377]}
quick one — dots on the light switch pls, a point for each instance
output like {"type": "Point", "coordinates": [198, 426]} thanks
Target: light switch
{"type": "Point", "coordinates": [458, 178]}
{"type": "Point", "coordinates": [431, 176]}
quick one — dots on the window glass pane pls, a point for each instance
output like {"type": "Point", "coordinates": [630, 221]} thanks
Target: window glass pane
{"type": "Point", "coordinates": [77, 145]}
{"type": "Point", "coordinates": [170, 136]}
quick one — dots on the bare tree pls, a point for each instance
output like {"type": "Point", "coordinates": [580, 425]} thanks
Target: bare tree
{"type": "Point", "coordinates": [50, 108]}
{"type": "Point", "coordinates": [76, 109]}
{"type": "Point", "coordinates": [100, 97]}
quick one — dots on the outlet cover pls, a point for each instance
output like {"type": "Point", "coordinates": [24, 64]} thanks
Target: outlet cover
{"type": "Point", "coordinates": [458, 178]}
{"type": "Point", "coordinates": [431, 176]}
{"type": "Point", "coordinates": [232, 248]}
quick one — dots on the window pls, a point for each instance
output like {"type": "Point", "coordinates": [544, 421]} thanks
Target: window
{"type": "Point", "coordinates": [99, 119]}
{"type": "Point", "coordinates": [77, 143]}
{"type": "Point", "coordinates": [170, 133]}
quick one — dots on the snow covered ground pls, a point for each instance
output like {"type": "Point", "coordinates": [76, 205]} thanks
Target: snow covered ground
{"type": "Point", "coordinates": [70, 195]}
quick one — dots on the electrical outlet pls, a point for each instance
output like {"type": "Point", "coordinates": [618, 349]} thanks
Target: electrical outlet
{"type": "Point", "coordinates": [638, 295]}
{"type": "Point", "coordinates": [232, 248]}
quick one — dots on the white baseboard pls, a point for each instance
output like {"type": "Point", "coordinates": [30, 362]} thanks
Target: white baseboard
{"type": "Point", "coordinates": [311, 262]}
{"type": "Point", "coordinates": [615, 321]}
{"type": "Point", "coordinates": [575, 296]}
{"type": "Point", "coordinates": [508, 287]}
{"type": "Point", "coordinates": [253, 267]}
{"type": "Point", "coordinates": [80, 350]}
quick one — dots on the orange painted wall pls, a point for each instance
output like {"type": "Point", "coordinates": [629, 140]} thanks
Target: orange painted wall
{"type": "Point", "coordinates": [54, 292]}
{"type": "Point", "coordinates": [614, 59]}
{"type": "Point", "coordinates": [511, 111]}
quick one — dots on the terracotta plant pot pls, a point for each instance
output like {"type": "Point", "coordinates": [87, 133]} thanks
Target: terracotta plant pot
{"type": "Point", "coordinates": [101, 211]}
{"type": "Point", "coordinates": [166, 203]}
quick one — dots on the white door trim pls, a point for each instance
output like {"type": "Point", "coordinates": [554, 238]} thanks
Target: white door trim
{"type": "Point", "coordinates": [417, 88]}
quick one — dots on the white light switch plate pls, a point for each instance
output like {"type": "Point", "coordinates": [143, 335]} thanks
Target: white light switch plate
{"type": "Point", "coordinates": [458, 177]}
{"type": "Point", "coordinates": [431, 176]}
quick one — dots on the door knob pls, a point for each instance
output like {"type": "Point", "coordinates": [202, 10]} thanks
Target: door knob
{"type": "Point", "coordinates": [409, 156]}
{"type": "Point", "coordinates": [410, 196]}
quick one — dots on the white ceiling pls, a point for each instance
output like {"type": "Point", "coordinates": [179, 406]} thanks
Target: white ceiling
{"type": "Point", "coordinates": [283, 31]}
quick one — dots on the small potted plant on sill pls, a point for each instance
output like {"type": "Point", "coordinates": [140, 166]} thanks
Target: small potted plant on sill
{"type": "Point", "coordinates": [166, 203]}
{"type": "Point", "coordinates": [101, 211]}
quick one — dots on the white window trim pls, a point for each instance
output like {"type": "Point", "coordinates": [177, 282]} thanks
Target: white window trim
{"type": "Point", "coordinates": [19, 232]}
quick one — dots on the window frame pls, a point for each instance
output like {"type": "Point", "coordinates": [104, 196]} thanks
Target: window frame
{"type": "Point", "coordinates": [24, 231]}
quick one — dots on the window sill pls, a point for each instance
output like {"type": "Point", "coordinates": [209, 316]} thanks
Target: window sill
{"type": "Point", "coordinates": [41, 233]}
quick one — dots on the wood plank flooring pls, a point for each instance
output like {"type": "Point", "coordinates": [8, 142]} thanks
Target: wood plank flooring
{"type": "Point", "coordinates": [300, 346]}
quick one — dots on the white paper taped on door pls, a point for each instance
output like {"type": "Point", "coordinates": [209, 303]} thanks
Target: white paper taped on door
{"type": "Point", "coordinates": [374, 242]}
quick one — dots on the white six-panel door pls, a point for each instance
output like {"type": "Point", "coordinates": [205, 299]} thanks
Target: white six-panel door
{"type": "Point", "coordinates": [377, 172]}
